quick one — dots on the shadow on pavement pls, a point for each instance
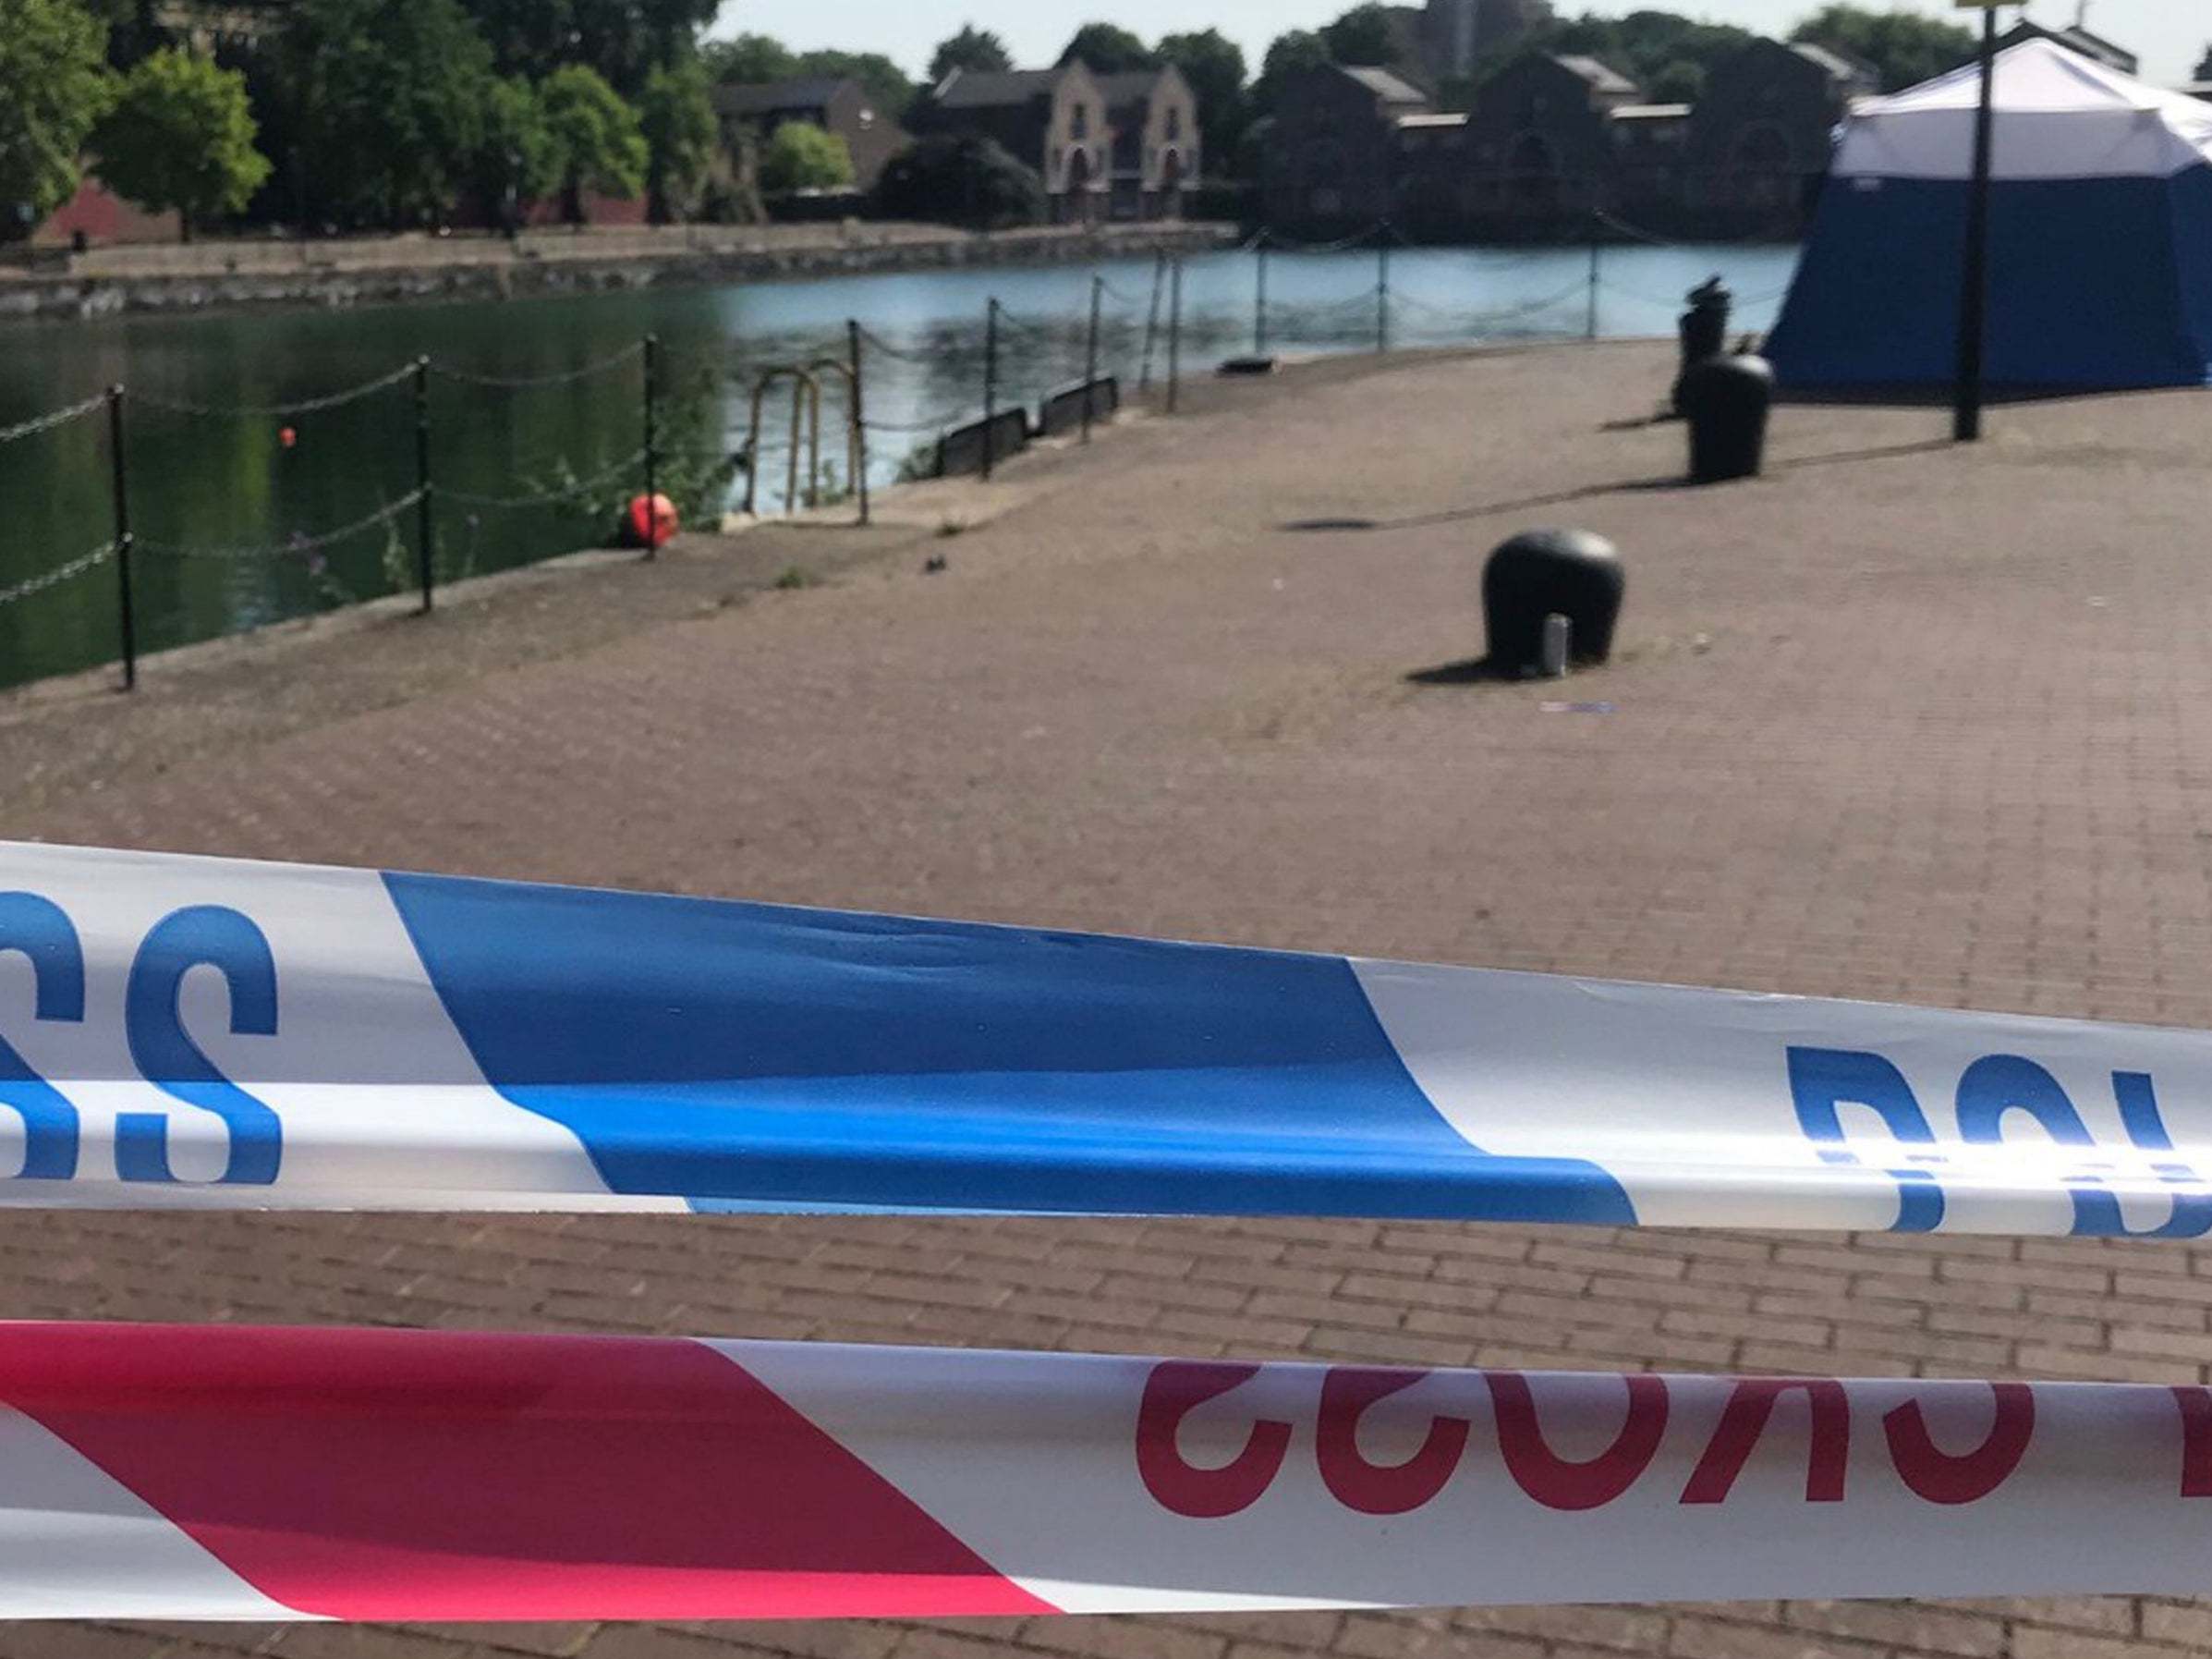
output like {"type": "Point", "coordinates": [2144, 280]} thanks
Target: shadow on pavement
{"type": "Point", "coordinates": [1590, 492]}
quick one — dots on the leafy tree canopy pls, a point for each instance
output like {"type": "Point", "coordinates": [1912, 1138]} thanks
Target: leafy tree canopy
{"type": "Point", "coordinates": [748, 60]}
{"type": "Point", "coordinates": [54, 88]}
{"type": "Point", "coordinates": [1287, 53]}
{"type": "Point", "coordinates": [179, 138]}
{"type": "Point", "coordinates": [1214, 66]}
{"type": "Point", "coordinates": [1644, 46]}
{"type": "Point", "coordinates": [602, 148]}
{"type": "Point", "coordinates": [1682, 82]}
{"type": "Point", "coordinates": [886, 82]}
{"type": "Point", "coordinates": [520, 158]}
{"type": "Point", "coordinates": [1109, 49]}
{"type": "Point", "coordinates": [1904, 47]}
{"type": "Point", "coordinates": [624, 40]}
{"type": "Point", "coordinates": [394, 94]}
{"type": "Point", "coordinates": [960, 179]}
{"type": "Point", "coordinates": [972, 48]}
{"type": "Point", "coordinates": [1363, 35]}
{"type": "Point", "coordinates": [801, 156]}
{"type": "Point", "coordinates": [677, 117]}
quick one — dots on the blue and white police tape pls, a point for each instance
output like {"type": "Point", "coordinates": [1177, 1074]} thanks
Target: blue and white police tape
{"type": "Point", "coordinates": [186, 1030]}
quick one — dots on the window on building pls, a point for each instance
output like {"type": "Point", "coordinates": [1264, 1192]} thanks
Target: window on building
{"type": "Point", "coordinates": [1079, 123]}
{"type": "Point", "coordinates": [1175, 122]}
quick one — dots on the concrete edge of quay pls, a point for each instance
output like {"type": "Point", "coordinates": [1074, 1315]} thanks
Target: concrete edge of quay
{"type": "Point", "coordinates": [441, 271]}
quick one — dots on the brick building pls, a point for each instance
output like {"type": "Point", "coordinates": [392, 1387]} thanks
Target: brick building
{"type": "Point", "coordinates": [1558, 142]}
{"type": "Point", "coordinates": [839, 105]}
{"type": "Point", "coordinates": [1122, 146]}
{"type": "Point", "coordinates": [1759, 139]}
{"type": "Point", "coordinates": [1155, 157]}
{"type": "Point", "coordinates": [1333, 157]}
{"type": "Point", "coordinates": [1540, 143]}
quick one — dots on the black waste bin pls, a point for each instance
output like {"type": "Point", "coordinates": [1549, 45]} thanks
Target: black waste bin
{"type": "Point", "coordinates": [1727, 401]}
{"type": "Point", "coordinates": [1542, 572]}
{"type": "Point", "coordinates": [1703, 329]}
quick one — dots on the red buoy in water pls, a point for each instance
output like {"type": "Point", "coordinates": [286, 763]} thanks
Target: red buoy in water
{"type": "Point", "coordinates": [287, 436]}
{"type": "Point", "coordinates": [649, 521]}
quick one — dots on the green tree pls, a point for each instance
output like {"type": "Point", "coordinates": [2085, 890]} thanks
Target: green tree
{"type": "Point", "coordinates": [179, 139]}
{"type": "Point", "coordinates": [1214, 66]}
{"type": "Point", "coordinates": [978, 50]}
{"type": "Point", "coordinates": [752, 59]}
{"type": "Point", "coordinates": [1107, 48]}
{"type": "Point", "coordinates": [54, 88]}
{"type": "Point", "coordinates": [392, 95]}
{"type": "Point", "coordinates": [1904, 48]}
{"type": "Point", "coordinates": [520, 160]}
{"type": "Point", "coordinates": [678, 119]}
{"type": "Point", "coordinates": [597, 134]}
{"type": "Point", "coordinates": [801, 156]}
{"type": "Point", "coordinates": [748, 60]}
{"type": "Point", "coordinates": [134, 29]}
{"type": "Point", "coordinates": [1680, 81]}
{"type": "Point", "coordinates": [886, 82]}
{"type": "Point", "coordinates": [1363, 35]}
{"type": "Point", "coordinates": [1646, 45]}
{"type": "Point", "coordinates": [526, 37]}
{"type": "Point", "coordinates": [1288, 53]}
{"type": "Point", "coordinates": [960, 179]}
{"type": "Point", "coordinates": [626, 41]}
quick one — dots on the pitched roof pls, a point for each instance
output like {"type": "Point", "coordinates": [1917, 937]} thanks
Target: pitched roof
{"type": "Point", "coordinates": [1130, 86]}
{"type": "Point", "coordinates": [984, 89]}
{"type": "Point", "coordinates": [1837, 66]}
{"type": "Point", "coordinates": [765, 97]}
{"type": "Point", "coordinates": [1601, 76]}
{"type": "Point", "coordinates": [1383, 84]}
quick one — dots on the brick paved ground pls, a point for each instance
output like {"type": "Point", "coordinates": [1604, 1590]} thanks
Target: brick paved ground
{"type": "Point", "coordinates": [1895, 722]}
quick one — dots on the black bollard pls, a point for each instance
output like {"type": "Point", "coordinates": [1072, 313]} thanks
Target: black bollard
{"type": "Point", "coordinates": [1727, 400]}
{"type": "Point", "coordinates": [1703, 329]}
{"type": "Point", "coordinates": [1542, 573]}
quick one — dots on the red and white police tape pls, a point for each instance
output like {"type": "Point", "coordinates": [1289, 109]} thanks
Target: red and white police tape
{"type": "Point", "coordinates": [226, 1473]}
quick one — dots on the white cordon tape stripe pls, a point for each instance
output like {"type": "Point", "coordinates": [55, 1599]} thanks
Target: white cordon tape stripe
{"type": "Point", "coordinates": [181, 1030]}
{"type": "Point", "coordinates": [228, 1472]}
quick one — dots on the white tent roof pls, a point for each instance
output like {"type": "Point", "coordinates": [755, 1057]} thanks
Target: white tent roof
{"type": "Point", "coordinates": [2059, 115]}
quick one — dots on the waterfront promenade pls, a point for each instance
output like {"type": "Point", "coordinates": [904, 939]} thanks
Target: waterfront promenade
{"type": "Point", "coordinates": [1897, 721]}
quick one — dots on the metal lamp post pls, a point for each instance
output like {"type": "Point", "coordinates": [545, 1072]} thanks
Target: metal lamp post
{"type": "Point", "coordinates": [1974, 296]}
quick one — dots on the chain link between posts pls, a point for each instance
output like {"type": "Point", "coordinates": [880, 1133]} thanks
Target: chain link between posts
{"type": "Point", "coordinates": [52, 418]}
{"type": "Point", "coordinates": [59, 574]}
{"type": "Point", "coordinates": [294, 546]}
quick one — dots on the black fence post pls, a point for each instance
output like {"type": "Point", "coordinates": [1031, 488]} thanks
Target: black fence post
{"type": "Point", "coordinates": [851, 348]}
{"type": "Point", "coordinates": [1144, 371]}
{"type": "Point", "coordinates": [991, 385]}
{"type": "Point", "coordinates": [423, 478]}
{"type": "Point", "coordinates": [119, 477]}
{"type": "Point", "coordinates": [652, 457]}
{"type": "Point", "coordinates": [1259, 302]}
{"type": "Point", "coordinates": [1590, 331]}
{"type": "Point", "coordinates": [1382, 297]}
{"type": "Point", "coordinates": [1090, 354]}
{"type": "Point", "coordinates": [1175, 331]}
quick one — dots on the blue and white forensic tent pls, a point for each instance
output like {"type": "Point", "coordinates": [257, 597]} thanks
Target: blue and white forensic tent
{"type": "Point", "coordinates": [2100, 234]}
